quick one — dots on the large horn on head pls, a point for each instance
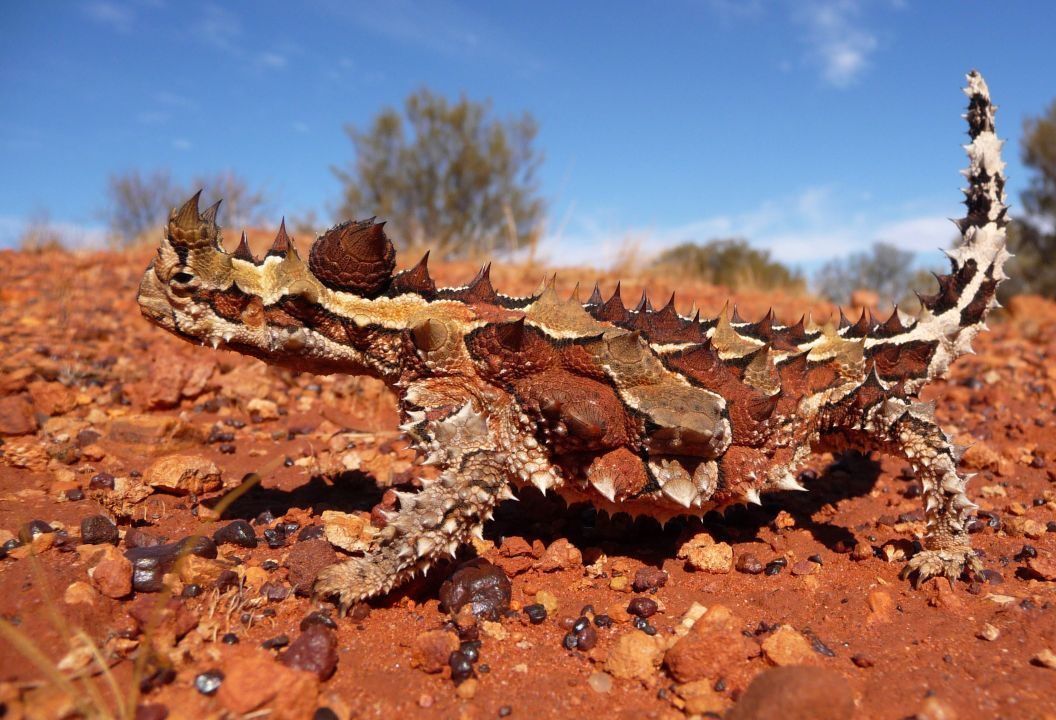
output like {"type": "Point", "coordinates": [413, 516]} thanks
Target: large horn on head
{"type": "Point", "coordinates": [191, 230]}
{"type": "Point", "coordinates": [355, 257]}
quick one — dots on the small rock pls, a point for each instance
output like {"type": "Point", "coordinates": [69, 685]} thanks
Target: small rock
{"type": "Point", "coordinates": [795, 693]}
{"type": "Point", "coordinates": [238, 532]}
{"type": "Point", "coordinates": [432, 649]}
{"type": "Point", "coordinates": [635, 656]}
{"type": "Point", "coordinates": [79, 593]}
{"type": "Point", "coordinates": [600, 682]}
{"type": "Point", "coordinates": [479, 584]}
{"type": "Point", "coordinates": [17, 416]}
{"type": "Point", "coordinates": [183, 475]}
{"type": "Point", "coordinates": [1043, 568]}
{"type": "Point", "coordinates": [803, 567]}
{"type": "Point", "coordinates": [151, 711]}
{"type": "Point", "coordinates": [467, 689]}
{"type": "Point", "coordinates": [713, 645]}
{"type": "Point", "coordinates": [536, 613]}
{"type": "Point", "coordinates": [112, 574]}
{"type": "Point", "coordinates": [547, 600]}
{"type": "Point", "coordinates": [701, 697]}
{"type": "Point", "coordinates": [1045, 658]}
{"type": "Point", "coordinates": [348, 531]}
{"type": "Point", "coordinates": [749, 564]}
{"type": "Point", "coordinates": [98, 530]}
{"type": "Point", "coordinates": [560, 555]}
{"type": "Point", "coordinates": [786, 646]}
{"type": "Point", "coordinates": [988, 632]}
{"type": "Point", "coordinates": [305, 560]}
{"type": "Point", "coordinates": [254, 680]}
{"type": "Point", "coordinates": [642, 607]}
{"type": "Point", "coordinates": [861, 660]}
{"type": "Point", "coordinates": [881, 606]}
{"type": "Point", "coordinates": [149, 565]}
{"type": "Point", "coordinates": [702, 553]}
{"type": "Point", "coordinates": [314, 651]}
{"type": "Point", "coordinates": [208, 682]}
{"type": "Point", "coordinates": [935, 708]}
{"type": "Point", "coordinates": [649, 578]}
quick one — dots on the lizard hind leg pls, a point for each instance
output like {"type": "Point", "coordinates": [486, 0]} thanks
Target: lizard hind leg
{"type": "Point", "coordinates": [947, 509]}
{"type": "Point", "coordinates": [428, 526]}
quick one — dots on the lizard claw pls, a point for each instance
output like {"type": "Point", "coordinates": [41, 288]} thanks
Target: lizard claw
{"type": "Point", "coordinates": [948, 562]}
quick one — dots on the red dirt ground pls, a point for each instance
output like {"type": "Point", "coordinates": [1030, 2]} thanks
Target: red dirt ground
{"type": "Point", "coordinates": [88, 387]}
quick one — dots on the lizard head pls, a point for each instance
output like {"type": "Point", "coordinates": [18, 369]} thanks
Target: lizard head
{"type": "Point", "coordinates": [342, 310]}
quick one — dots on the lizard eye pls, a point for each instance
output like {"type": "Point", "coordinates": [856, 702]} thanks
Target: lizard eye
{"type": "Point", "coordinates": [183, 283]}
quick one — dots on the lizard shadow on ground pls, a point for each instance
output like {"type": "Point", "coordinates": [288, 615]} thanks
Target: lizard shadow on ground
{"type": "Point", "coordinates": [346, 492]}
{"type": "Point", "coordinates": [545, 519]}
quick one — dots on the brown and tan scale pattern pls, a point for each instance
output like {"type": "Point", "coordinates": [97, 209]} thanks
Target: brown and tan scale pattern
{"type": "Point", "coordinates": [638, 410]}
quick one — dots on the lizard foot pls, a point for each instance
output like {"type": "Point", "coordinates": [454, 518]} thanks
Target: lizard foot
{"type": "Point", "coordinates": [946, 562]}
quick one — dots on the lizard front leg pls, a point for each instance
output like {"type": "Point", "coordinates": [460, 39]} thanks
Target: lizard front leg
{"type": "Point", "coordinates": [433, 522]}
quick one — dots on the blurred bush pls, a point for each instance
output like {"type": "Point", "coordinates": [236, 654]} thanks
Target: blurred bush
{"type": "Point", "coordinates": [448, 175]}
{"type": "Point", "coordinates": [731, 262]}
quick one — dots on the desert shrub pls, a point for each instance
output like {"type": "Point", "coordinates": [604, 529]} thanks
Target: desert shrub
{"type": "Point", "coordinates": [731, 262]}
{"type": "Point", "coordinates": [138, 203]}
{"type": "Point", "coordinates": [885, 269]}
{"type": "Point", "coordinates": [447, 174]}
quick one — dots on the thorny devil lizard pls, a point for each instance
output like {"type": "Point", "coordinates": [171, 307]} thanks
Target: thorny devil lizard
{"type": "Point", "coordinates": [642, 411]}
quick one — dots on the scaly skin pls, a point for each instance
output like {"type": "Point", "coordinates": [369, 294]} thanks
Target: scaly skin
{"type": "Point", "coordinates": [642, 410]}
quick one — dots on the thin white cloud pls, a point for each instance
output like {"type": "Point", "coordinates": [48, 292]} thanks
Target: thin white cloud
{"type": "Point", "coordinates": [118, 18]}
{"type": "Point", "coordinates": [804, 230]}
{"type": "Point", "coordinates": [181, 144]}
{"type": "Point", "coordinates": [838, 41]}
{"type": "Point", "coordinates": [272, 60]}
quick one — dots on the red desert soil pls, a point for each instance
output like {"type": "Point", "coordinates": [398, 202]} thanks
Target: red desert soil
{"type": "Point", "coordinates": [103, 414]}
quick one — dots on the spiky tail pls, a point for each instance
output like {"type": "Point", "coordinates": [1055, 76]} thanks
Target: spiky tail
{"type": "Point", "coordinates": [951, 318]}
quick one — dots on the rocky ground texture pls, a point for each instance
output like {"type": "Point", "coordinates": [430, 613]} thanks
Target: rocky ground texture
{"type": "Point", "coordinates": [164, 510]}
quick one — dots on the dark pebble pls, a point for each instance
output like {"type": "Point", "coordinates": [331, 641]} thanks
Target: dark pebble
{"type": "Point", "coordinates": [603, 621]}
{"type": "Point", "coordinates": [279, 641]}
{"type": "Point", "coordinates": [479, 584]}
{"type": "Point", "coordinates": [774, 567]}
{"type": "Point", "coordinates": [11, 545]}
{"type": "Point", "coordinates": [325, 713]}
{"type": "Point", "coordinates": [192, 590]}
{"type": "Point", "coordinates": [505, 711]}
{"type": "Point", "coordinates": [149, 564]}
{"type": "Point", "coordinates": [579, 624]}
{"type": "Point", "coordinates": [98, 530]}
{"type": "Point", "coordinates": [586, 638]}
{"type": "Point", "coordinates": [227, 580]}
{"type": "Point", "coordinates": [483, 668]}
{"type": "Point", "coordinates": [471, 650]}
{"type": "Point", "coordinates": [991, 576]}
{"type": "Point", "coordinates": [75, 495]}
{"type": "Point", "coordinates": [151, 711]}
{"type": "Point", "coordinates": [749, 564]}
{"type": "Point", "coordinates": [320, 618]}
{"type": "Point", "coordinates": [820, 647]}
{"type": "Point", "coordinates": [1050, 526]}
{"type": "Point", "coordinates": [862, 661]}
{"type": "Point", "coordinates": [229, 639]}
{"type": "Point", "coordinates": [816, 559]}
{"type": "Point", "coordinates": [30, 530]}
{"type": "Point", "coordinates": [642, 607]}
{"type": "Point", "coordinates": [461, 667]}
{"type": "Point", "coordinates": [102, 481]}
{"type": "Point", "coordinates": [274, 537]}
{"type": "Point", "coordinates": [537, 613]}
{"type": "Point", "coordinates": [275, 591]}
{"type": "Point", "coordinates": [570, 641]}
{"type": "Point", "coordinates": [649, 578]}
{"type": "Point", "coordinates": [199, 545]}
{"type": "Point", "coordinates": [270, 565]}
{"type": "Point", "coordinates": [208, 682]}
{"type": "Point", "coordinates": [265, 518]}
{"type": "Point", "coordinates": [311, 532]}
{"type": "Point", "coordinates": [314, 651]}
{"type": "Point", "coordinates": [1025, 553]}
{"type": "Point", "coordinates": [238, 533]}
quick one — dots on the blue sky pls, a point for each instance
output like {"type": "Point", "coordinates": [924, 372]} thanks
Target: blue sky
{"type": "Point", "coordinates": [812, 127]}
